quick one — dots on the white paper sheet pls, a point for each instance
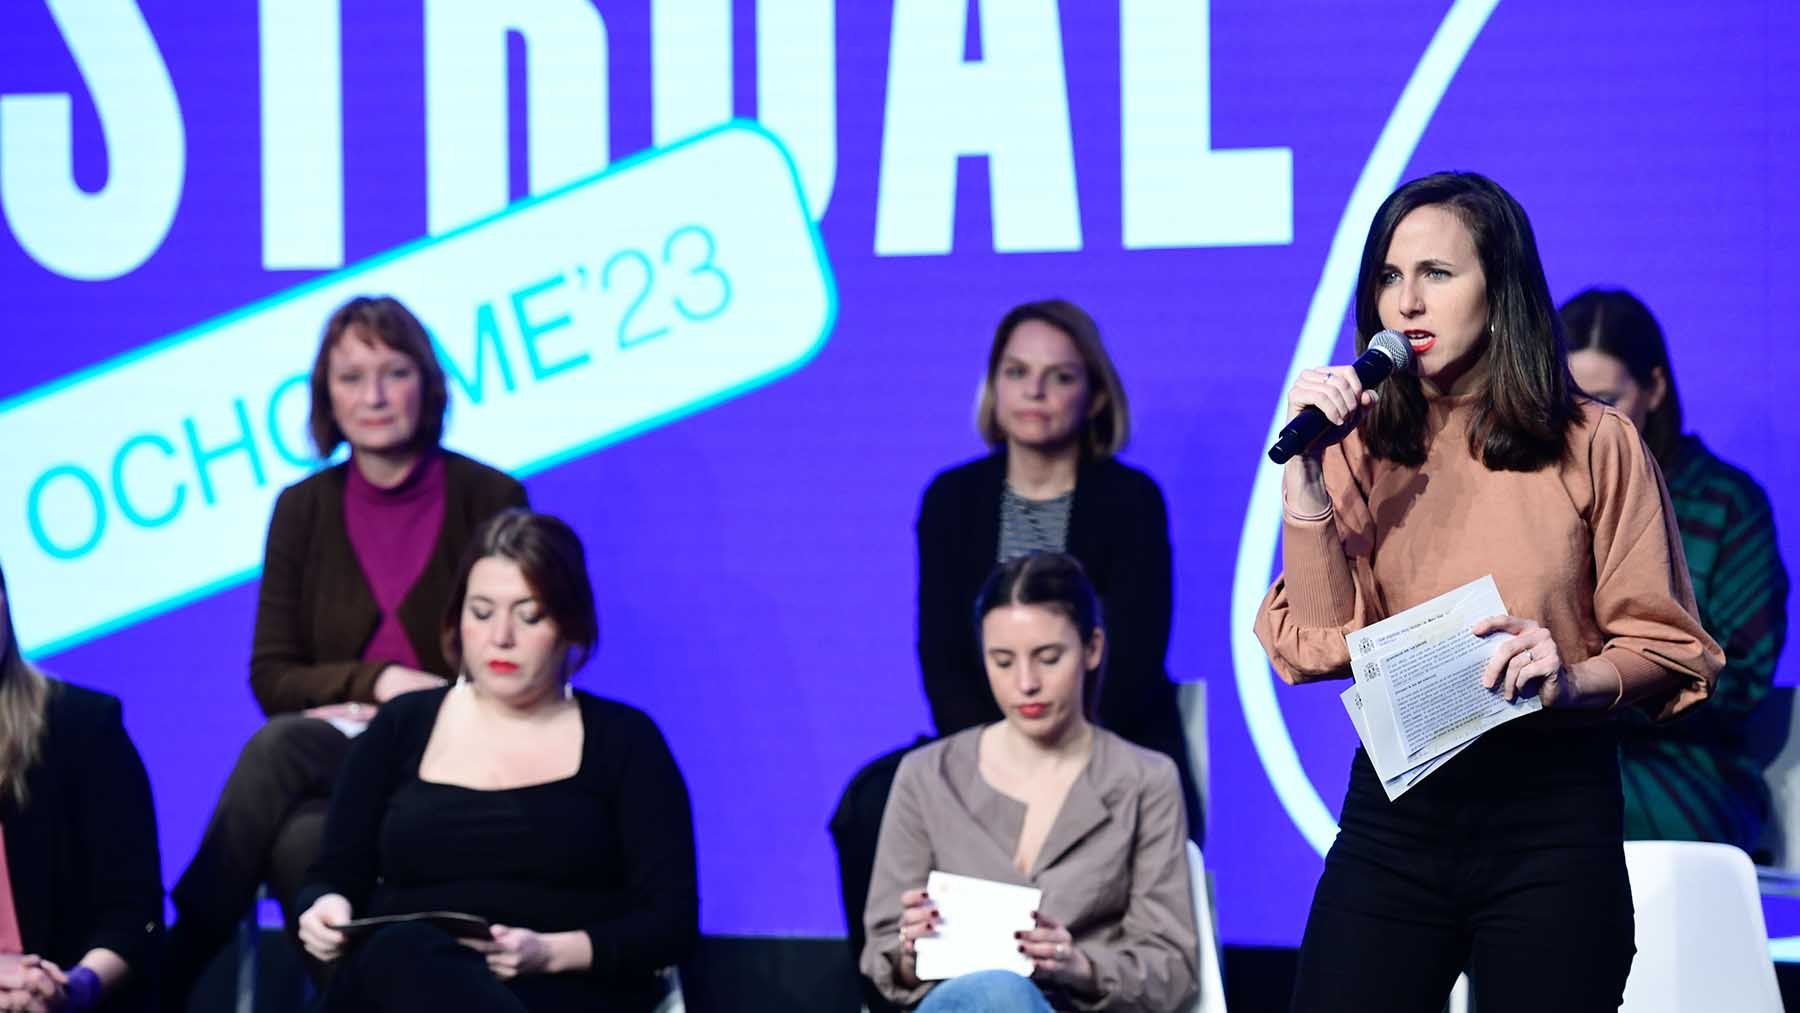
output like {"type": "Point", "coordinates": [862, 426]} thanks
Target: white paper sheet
{"type": "Point", "coordinates": [1398, 784]}
{"type": "Point", "coordinates": [1417, 699]}
{"type": "Point", "coordinates": [976, 922]}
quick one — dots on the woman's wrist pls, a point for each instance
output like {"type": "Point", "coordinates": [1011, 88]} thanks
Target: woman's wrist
{"type": "Point", "coordinates": [569, 951]}
{"type": "Point", "coordinates": [1080, 977]}
{"type": "Point", "coordinates": [1303, 492]}
{"type": "Point", "coordinates": [1598, 684]}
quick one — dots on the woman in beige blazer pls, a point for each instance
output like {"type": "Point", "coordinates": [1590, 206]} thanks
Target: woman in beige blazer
{"type": "Point", "coordinates": [1047, 799]}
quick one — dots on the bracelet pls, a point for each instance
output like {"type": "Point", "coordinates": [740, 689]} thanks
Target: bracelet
{"type": "Point", "coordinates": [83, 990]}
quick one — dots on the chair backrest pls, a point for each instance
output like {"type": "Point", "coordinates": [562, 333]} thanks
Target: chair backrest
{"type": "Point", "coordinates": [1773, 734]}
{"type": "Point", "coordinates": [1701, 940]}
{"type": "Point", "coordinates": [1190, 697]}
{"type": "Point", "coordinates": [1212, 980]}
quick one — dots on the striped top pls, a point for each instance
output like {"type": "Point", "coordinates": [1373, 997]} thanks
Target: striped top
{"type": "Point", "coordinates": [1695, 779]}
{"type": "Point", "coordinates": [1033, 525]}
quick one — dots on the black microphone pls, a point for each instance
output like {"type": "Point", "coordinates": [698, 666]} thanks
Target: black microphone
{"type": "Point", "coordinates": [1387, 352]}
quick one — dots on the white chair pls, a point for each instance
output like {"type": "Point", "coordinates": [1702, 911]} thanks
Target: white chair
{"type": "Point", "coordinates": [1212, 981]}
{"type": "Point", "coordinates": [1701, 941]}
{"type": "Point", "coordinates": [1773, 733]}
{"type": "Point", "coordinates": [672, 1001]}
{"type": "Point", "coordinates": [1190, 698]}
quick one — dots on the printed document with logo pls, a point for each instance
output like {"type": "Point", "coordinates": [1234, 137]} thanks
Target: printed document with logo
{"type": "Point", "coordinates": [1418, 683]}
{"type": "Point", "coordinates": [976, 922]}
{"type": "Point", "coordinates": [1398, 784]}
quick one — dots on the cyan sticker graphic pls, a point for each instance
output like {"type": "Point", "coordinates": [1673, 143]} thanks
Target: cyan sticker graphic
{"type": "Point", "coordinates": [668, 283]}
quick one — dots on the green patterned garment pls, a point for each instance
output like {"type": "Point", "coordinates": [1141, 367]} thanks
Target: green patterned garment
{"type": "Point", "coordinates": [1694, 778]}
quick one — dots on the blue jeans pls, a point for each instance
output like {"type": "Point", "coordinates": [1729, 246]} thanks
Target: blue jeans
{"type": "Point", "coordinates": [985, 992]}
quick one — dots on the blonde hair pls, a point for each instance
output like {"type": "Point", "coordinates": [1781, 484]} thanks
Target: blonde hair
{"type": "Point", "coordinates": [1106, 431]}
{"type": "Point", "coordinates": [23, 691]}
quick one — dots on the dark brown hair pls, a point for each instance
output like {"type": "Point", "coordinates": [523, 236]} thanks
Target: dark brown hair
{"type": "Point", "coordinates": [1616, 323]}
{"type": "Point", "coordinates": [549, 554]}
{"type": "Point", "coordinates": [1105, 432]}
{"type": "Point", "coordinates": [386, 320]}
{"type": "Point", "coordinates": [1523, 415]}
{"type": "Point", "coordinates": [1055, 581]}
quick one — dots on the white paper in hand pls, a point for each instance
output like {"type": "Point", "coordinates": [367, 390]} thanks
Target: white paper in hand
{"type": "Point", "coordinates": [1418, 679]}
{"type": "Point", "coordinates": [1397, 784]}
{"type": "Point", "coordinates": [976, 922]}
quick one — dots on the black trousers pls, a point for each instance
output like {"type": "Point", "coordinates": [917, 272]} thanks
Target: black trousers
{"type": "Point", "coordinates": [1507, 862]}
{"type": "Point", "coordinates": [265, 829]}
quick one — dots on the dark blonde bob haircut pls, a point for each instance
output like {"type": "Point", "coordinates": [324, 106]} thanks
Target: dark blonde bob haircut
{"type": "Point", "coordinates": [1108, 426]}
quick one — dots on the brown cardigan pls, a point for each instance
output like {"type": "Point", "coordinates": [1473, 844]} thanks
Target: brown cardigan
{"type": "Point", "coordinates": [315, 613]}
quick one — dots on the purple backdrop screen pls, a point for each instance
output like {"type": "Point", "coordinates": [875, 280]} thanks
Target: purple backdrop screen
{"type": "Point", "coordinates": [718, 278]}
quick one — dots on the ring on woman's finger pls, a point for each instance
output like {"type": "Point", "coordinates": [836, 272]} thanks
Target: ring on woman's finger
{"type": "Point", "coordinates": [1062, 950]}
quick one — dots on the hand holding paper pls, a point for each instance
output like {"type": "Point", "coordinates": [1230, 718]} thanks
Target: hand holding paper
{"type": "Point", "coordinates": [976, 922]}
{"type": "Point", "coordinates": [1529, 663]}
{"type": "Point", "coordinates": [1419, 696]}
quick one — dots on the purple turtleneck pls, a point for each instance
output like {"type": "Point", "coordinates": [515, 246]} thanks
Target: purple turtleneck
{"type": "Point", "coordinates": [392, 532]}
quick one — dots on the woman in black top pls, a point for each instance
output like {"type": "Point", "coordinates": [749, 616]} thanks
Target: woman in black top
{"type": "Point", "coordinates": [327, 649]}
{"type": "Point", "coordinates": [83, 883]}
{"type": "Point", "coordinates": [1055, 414]}
{"type": "Point", "coordinates": [558, 817]}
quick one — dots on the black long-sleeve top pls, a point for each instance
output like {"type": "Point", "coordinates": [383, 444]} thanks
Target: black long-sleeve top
{"type": "Point", "coordinates": [608, 851]}
{"type": "Point", "coordinates": [1118, 529]}
{"type": "Point", "coordinates": [82, 852]}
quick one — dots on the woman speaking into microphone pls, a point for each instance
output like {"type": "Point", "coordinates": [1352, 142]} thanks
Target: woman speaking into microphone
{"type": "Point", "coordinates": [1486, 459]}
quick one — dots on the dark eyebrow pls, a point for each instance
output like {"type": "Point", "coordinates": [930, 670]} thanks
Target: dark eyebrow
{"type": "Point", "coordinates": [1060, 364]}
{"type": "Point", "coordinates": [515, 603]}
{"type": "Point", "coordinates": [1426, 264]}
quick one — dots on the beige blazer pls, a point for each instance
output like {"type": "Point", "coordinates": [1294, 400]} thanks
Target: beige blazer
{"type": "Point", "coordinates": [1113, 868]}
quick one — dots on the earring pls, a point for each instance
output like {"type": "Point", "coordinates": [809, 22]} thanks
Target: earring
{"type": "Point", "coordinates": [568, 691]}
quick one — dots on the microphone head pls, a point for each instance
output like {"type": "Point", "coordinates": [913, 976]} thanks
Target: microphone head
{"type": "Point", "coordinates": [1395, 346]}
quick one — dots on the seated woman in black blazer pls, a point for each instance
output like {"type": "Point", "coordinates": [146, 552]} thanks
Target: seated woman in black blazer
{"type": "Point", "coordinates": [357, 572]}
{"type": "Point", "coordinates": [558, 817]}
{"type": "Point", "coordinates": [81, 884]}
{"type": "Point", "coordinates": [1055, 415]}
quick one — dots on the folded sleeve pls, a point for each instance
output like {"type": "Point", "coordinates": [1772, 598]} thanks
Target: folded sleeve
{"type": "Point", "coordinates": [903, 860]}
{"type": "Point", "coordinates": [1643, 598]}
{"type": "Point", "coordinates": [1149, 962]}
{"type": "Point", "coordinates": [1326, 587]}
